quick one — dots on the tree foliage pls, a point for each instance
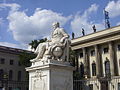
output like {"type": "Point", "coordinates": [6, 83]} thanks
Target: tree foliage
{"type": "Point", "coordinates": [35, 43]}
{"type": "Point", "coordinates": [25, 57]}
{"type": "Point", "coordinates": [72, 56]}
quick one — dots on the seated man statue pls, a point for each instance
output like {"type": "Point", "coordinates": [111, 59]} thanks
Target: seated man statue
{"type": "Point", "coordinates": [57, 43]}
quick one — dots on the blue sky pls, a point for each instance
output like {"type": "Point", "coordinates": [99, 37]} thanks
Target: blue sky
{"type": "Point", "coordinates": [24, 20]}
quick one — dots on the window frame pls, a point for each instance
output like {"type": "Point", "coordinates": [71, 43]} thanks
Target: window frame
{"type": "Point", "coordinates": [93, 69]}
{"type": "Point", "coordinates": [118, 47]}
{"type": "Point", "coordinates": [81, 55]}
{"type": "Point", "coordinates": [10, 74]}
{"type": "Point", "coordinates": [11, 62]}
{"type": "Point", "coordinates": [107, 67]}
{"type": "Point", "coordinates": [92, 52]}
{"type": "Point", "coordinates": [2, 60]}
{"type": "Point", "coordinates": [19, 77]}
{"type": "Point", "coordinates": [105, 50]}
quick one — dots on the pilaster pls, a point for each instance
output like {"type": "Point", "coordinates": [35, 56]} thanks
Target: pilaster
{"type": "Point", "coordinates": [111, 52]}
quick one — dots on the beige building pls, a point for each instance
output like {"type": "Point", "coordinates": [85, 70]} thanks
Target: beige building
{"type": "Point", "coordinates": [12, 73]}
{"type": "Point", "coordinates": [98, 57]}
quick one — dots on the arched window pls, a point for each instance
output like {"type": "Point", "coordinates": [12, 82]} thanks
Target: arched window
{"type": "Point", "coordinates": [10, 75]}
{"type": "Point", "coordinates": [81, 70]}
{"type": "Point", "coordinates": [93, 69]}
{"type": "Point", "coordinates": [1, 74]}
{"type": "Point", "coordinates": [19, 75]}
{"type": "Point", "coordinates": [107, 67]}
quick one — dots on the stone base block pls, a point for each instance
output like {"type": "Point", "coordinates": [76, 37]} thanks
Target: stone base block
{"type": "Point", "coordinates": [51, 76]}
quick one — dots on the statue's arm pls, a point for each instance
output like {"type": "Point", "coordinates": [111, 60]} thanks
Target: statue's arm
{"type": "Point", "coordinates": [65, 35]}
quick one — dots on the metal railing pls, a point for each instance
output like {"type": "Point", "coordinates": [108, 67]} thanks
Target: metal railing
{"type": "Point", "coordinates": [97, 84]}
{"type": "Point", "coordinates": [14, 85]}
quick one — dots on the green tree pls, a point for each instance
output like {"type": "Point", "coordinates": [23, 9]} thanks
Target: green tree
{"type": "Point", "coordinates": [35, 43]}
{"type": "Point", "coordinates": [25, 57]}
{"type": "Point", "coordinates": [72, 57]}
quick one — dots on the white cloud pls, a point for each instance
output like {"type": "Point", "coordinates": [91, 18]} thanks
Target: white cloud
{"type": "Point", "coordinates": [118, 23]}
{"type": "Point", "coordinates": [113, 8]}
{"type": "Point", "coordinates": [26, 28]}
{"type": "Point", "coordinates": [7, 44]}
{"type": "Point", "coordinates": [93, 8]}
{"type": "Point", "coordinates": [82, 21]}
{"type": "Point", "coordinates": [1, 21]}
{"type": "Point", "coordinates": [13, 6]}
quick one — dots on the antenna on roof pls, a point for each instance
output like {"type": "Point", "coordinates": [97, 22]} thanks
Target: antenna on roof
{"type": "Point", "coordinates": [107, 23]}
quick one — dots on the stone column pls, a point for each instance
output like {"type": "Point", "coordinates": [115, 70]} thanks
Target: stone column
{"type": "Point", "coordinates": [85, 62]}
{"type": "Point", "coordinates": [111, 52]}
{"type": "Point", "coordinates": [97, 56]}
{"type": "Point", "coordinates": [50, 75]}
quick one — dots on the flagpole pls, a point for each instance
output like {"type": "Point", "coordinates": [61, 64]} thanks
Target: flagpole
{"type": "Point", "coordinates": [107, 23]}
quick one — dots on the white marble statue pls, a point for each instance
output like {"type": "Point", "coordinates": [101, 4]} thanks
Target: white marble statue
{"type": "Point", "coordinates": [57, 48]}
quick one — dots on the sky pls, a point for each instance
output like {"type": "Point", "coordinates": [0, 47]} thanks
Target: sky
{"type": "Point", "coordinates": [22, 21]}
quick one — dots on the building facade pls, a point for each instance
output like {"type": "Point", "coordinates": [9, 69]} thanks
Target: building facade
{"type": "Point", "coordinates": [98, 59]}
{"type": "Point", "coordinates": [12, 73]}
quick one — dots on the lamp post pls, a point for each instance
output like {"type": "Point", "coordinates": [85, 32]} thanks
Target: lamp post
{"type": "Point", "coordinates": [5, 82]}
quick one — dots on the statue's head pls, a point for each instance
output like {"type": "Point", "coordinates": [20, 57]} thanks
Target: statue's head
{"type": "Point", "coordinates": [55, 25]}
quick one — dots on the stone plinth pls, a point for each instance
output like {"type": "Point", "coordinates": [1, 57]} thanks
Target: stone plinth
{"type": "Point", "coordinates": [50, 75]}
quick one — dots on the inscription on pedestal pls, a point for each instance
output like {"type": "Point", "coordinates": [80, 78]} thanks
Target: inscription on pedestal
{"type": "Point", "coordinates": [39, 81]}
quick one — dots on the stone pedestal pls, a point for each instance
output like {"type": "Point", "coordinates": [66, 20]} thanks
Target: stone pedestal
{"type": "Point", "coordinates": [50, 75]}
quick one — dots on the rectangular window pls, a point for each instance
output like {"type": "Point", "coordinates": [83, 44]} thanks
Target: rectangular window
{"type": "Point", "coordinates": [19, 64]}
{"type": "Point", "coordinates": [10, 88]}
{"type": "Point", "coordinates": [19, 75]}
{"type": "Point", "coordinates": [105, 50]}
{"type": "Point", "coordinates": [11, 62]}
{"type": "Point", "coordinates": [10, 75]}
{"type": "Point", "coordinates": [92, 52]}
{"type": "Point", "coordinates": [118, 86]}
{"type": "Point", "coordinates": [94, 69]}
{"type": "Point", "coordinates": [90, 86]}
{"type": "Point", "coordinates": [81, 55]}
{"type": "Point", "coordinates": [2, 61]}
{"type": "Point", "coordinates": [118, 47]}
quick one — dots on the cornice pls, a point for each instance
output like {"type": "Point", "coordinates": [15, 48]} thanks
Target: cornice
{"type": "Point", "coordinates": [114, 36]}
{"type": "Point", "coordinates": [96, 35]}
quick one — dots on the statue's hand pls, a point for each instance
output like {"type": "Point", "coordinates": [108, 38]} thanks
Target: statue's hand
{"type": "Point", "coordinates": [62, 40]}
{"type": "Point", "coordinates": [48, 40]}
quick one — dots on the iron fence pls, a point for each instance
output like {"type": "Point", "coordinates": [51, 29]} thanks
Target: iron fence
{"type": "Point", "coordinates": [97, 84]}
{"type": "Point", "coordinates": [14, 85]}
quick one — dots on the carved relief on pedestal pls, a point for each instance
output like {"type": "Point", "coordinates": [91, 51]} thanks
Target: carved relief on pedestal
{"type": "Point", "coordinates": [39, 81]}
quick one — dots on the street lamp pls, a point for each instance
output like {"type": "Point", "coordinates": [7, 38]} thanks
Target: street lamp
{"type": "Point", "coordinates": [5, 82]}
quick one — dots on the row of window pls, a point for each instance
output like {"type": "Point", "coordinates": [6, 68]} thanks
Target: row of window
{"type": "Point", "coordinates": [105, 50]}
{"type": "Point", "coordinates": [107, 69]}
{"type": "Point", "coordinates": [10, 75]}
{"type": "Point", "coordinates": [11, 62]}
